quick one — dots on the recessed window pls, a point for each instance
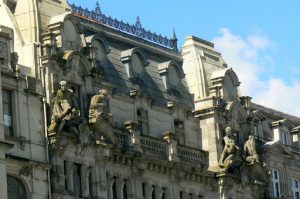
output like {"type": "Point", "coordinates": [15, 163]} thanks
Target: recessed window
{"type": "Point", "coordinates": [179, 130]}
{"type": "Point", "coordinates": [7, 112]}
{"type": "Point", "coordinates": [284, 137]}
{"type": "Point", "coordinates": [295, 189]}
{"type": "Point", "coordinates": [275, 183]}
{"type": "Point", "coordinates": [142, 120]}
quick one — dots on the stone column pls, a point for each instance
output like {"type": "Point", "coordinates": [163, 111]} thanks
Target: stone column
{"type": "Point", "coordinates": [103, 182]}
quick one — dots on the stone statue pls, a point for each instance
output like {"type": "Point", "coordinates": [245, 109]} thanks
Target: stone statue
{"type": "Point", "coordinates": [230, 151]}
{"type": "Point", "coordinates": [99, 118]}
{"type": "Point", "coordinates": [65, 110]}
{"type": "Point", "coordinates": [98, 106]}
{"type": "Point", "coordinates": [250, 153]}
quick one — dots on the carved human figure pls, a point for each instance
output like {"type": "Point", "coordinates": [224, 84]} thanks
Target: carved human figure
{"type": "Point", "coordinates": [230, 151]}
{"type": "Point", "coordinates": [98, 107]}
{"type": "Point", "coordinates": [65, 109]}
{"type": "Point", "coordinates": [99, 118]}
{"type": "Point", "coordinates": [250, 152]}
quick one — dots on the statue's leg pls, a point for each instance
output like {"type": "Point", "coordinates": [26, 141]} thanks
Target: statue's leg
{"type": "Point", "coordinates": [61, 126]}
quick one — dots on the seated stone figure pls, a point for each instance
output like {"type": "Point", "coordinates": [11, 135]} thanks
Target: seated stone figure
{"type": "Point", "coordinates": [98, 107]}
{"type": "Point", "coordinates": [99, 118]}
{"type": "Point", "coordinates": [250, 153]}
{"type": "Point", "coordinates": [65, 110]}
{"type": "Point", "coordinates": [230, 153]}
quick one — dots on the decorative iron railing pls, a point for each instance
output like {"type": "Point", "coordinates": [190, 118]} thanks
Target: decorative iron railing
{"type": "Point", "coordinates": [136, 30]}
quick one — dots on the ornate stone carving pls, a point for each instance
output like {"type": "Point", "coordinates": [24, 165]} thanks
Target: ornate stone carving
{"type": "Point", "coordinates": [250, 153]}
{"type": "Point", "coordinates": [26, 171]}
{"type": "Point", "coordinates": [230, 156]}
{"type": "Point", "coordinates": [65, 114]}
{"type": "Point", "coordinates": [99, 118]}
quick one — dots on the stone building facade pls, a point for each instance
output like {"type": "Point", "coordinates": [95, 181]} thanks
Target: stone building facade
{"type": "Point", "coordinates": [95, 108]}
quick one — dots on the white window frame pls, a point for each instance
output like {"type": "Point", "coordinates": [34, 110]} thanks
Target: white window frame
{"type": "Point", "coordinates": [295, 189]}
{"type": "Point", "coordinates": [276, 183]}
{"type": "Point", "coordinates": [284, 137]}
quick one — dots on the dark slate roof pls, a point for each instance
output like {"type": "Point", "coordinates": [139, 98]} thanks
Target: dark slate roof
{"type": "Point", "coordinates": [151, 84]}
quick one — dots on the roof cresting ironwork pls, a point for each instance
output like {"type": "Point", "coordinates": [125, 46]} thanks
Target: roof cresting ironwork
{"type": "Point", "coordinates": [96, 16]}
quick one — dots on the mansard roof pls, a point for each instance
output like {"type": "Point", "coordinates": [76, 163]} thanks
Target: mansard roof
{"type": "Point", "coordinates": [275, 114]}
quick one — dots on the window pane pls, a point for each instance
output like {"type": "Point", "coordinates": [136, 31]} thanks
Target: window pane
{"type": "Point", "coordinates": [7, 112]}
{"type": "Point", "coordinates": [277, 193]}
{"type": "Point", "coordinates": [295, 183]}
{"type": "Point", "coordinates": [15, 188]}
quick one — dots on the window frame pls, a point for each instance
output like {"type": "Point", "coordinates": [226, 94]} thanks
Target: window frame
{"type": "Point", "coordinates": [12, 132]}
{"type": "Point", "coordinates": [276, 183]}
{"type": "Point", "coordinates": [143, 121]}
{"type": "Point", "coordinates": [295, 190]}
{"type": "Point", "coordinates": [23, 185]}
{"type": "Point", "coordinates": [285, 137]}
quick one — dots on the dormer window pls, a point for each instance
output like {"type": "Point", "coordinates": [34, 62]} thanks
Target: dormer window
{"type": "Point", "coordinates": [281, 131]}
{"type": "Point", "coordinates": [284, 137]}
{"type": "Point", "coordinates": [171, 74]}
{"type": "Point", "coordinates": [134, 61]}
{"type": "Point", "coordinates": [99, 48]}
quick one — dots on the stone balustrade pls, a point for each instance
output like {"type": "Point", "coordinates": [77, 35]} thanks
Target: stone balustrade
{"type": "Point", "coordinates": [158, 148]}
{"type": "Point", "coordinates": [191, 155]}
{"type": "Point", "coordinates": [154, 147]}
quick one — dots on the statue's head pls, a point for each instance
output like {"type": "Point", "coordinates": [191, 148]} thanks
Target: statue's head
{"type": "Point", "coordinates": [63, 85]}
{"type": "Point", "coordinates": [103, 92]}
{"type": "Point", "coordinates": [228, 130]}
{"type": "Point", "coordinates": [251, 137]}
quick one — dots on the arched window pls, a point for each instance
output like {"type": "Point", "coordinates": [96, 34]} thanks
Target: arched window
{"type": "Point", "coordinates": [295, 189]}
{"type": "Point", "coordinates": [15, 188]}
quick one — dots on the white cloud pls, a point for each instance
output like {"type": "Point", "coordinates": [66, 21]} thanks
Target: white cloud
{"type": "Point", "coordinates": [252, 60]}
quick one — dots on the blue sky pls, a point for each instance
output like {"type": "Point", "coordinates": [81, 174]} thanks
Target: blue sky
{"type": "Point", "coordinates": [258, 39]}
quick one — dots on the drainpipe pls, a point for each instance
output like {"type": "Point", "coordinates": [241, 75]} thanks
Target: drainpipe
{"type": "Point", "coordinates": [42, 77]}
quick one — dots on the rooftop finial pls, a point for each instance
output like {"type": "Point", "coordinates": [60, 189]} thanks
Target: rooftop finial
{"type": "Point", "coordinates": [174, 40]}
{"type": "Point", "coordinates": [138, 23]}
{"type": "Point", "coordinates": [98, 9]}
{"type": "Point", "coordinates": [174, 34]}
